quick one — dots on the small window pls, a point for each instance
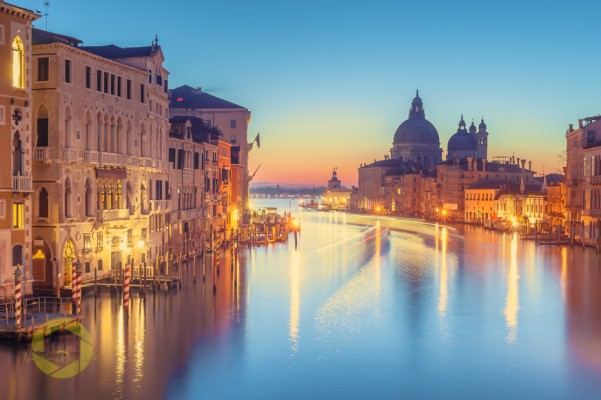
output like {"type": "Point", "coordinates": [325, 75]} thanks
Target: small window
{"type": "Point", "coordinates": [119, 86]}
{"type": "Point", "coordinates": [128, 89]}
{"type": "Point", "coordinates": [106, 82]}
{"type": "Point", "coordinates": [99, 244]}
{"type": "Point", "coordinates": [233, 124]}
{"type": "Point", "coordinates": [141, 93]}
{"type": "Point", "coordinates": [88, 77]}
{"type": "Point", "coordinates": [68, 71]}
{"type": "Point", "coordinates": [87, 244]}
{"type": "Point", "coordinates": [149, 76]}
{"type": "Point", "coordinates": [196, 160]}
{"type": "Point", "coordinates": [1, 34]}
{"type": "Point", "coordinates": [43, 65]}
{"type": "Point", "coordinates": [233, 139]}
{"type": "Point", "coordinates": [172, 156]}
{"type": "Point", "coordinates": [99, 81]}
{"type": "Point", "coordinates": [112, 84]}
{"type": "Point", "coordinates": [2, 117]}
{"type": "Point", "coordinates": [18, 216]}
{"type": "Point", "coordinates": [87, 267]}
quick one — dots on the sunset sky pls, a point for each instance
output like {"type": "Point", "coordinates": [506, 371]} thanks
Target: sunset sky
{"type": "Point", "coordinates": [329, 81]}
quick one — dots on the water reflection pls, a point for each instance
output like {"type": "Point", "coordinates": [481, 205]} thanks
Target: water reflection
{"type": "Point", "coordinates": [512, 305]}
{"type": "Point", "coordinates": [294, 321]}
{"type": "Point", "coordinates": [443, 291]}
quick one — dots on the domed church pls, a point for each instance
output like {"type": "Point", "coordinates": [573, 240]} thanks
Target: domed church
{"type": "Point", "coordinates": [472, 143]}
{"type": "Point", "coordinates": [416, 139]}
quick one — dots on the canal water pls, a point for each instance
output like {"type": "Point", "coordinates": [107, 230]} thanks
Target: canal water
{"type": "Point", "coordinates": [362, 307]}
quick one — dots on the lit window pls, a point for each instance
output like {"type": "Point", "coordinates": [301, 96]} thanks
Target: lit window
{"type": "Point", "coordinates": [18, 216]}
{"type": "Point", "coordinates": [18, 63]}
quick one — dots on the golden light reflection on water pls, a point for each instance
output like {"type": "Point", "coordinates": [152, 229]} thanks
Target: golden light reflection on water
{"type": "Point", "coordinates": [564, 272]}
{"type": "Point", "coordinates": [139, 335]}
{"type": "Point", "coordinates": [120, 348]}
{"type": "Point", "coordinates": [443, 290]}
{"type": "Point", "coordinates": [294, 321]}
{"type": "Point", "coordinates": [512, 305]}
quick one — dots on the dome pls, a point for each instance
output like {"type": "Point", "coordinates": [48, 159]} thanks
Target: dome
{"type": "Point", "coordinates": [461, 141]}
{"type": "Point", "coordinates": [482, 126]}
{"type": "Point", "coordinates": [416, 129]}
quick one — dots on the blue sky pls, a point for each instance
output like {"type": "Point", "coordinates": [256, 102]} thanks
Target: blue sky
{"type": "Point", "coordinates": [329, 81]}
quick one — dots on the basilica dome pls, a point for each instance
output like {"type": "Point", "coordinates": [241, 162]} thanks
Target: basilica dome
{"type": "Point", "coordinates": [417, 129]}
{"type": "Point", "coordinates": [462, 140]}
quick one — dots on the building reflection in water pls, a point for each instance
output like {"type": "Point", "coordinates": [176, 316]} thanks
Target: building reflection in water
{"type": "Point", "coordinates": [443, 288]}
{"type": "Point", "coordinates": [512, 305]}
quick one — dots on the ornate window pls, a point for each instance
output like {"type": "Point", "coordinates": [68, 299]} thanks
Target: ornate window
{"type": "Point", "coordinates": [18, 63]}
{"type": "Point", "coordinates": [43, 203]}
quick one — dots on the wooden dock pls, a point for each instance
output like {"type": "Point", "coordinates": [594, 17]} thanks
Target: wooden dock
{"type": "Point", "coordinates": [40, 314]}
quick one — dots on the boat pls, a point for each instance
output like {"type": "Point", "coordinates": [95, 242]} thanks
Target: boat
{"type": "Point", "coordinates": [556, 242]}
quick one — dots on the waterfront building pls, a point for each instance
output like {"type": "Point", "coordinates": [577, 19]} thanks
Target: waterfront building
{"type": "Point", "coordinates": [233, 121]}
{"type": "Point", "coordinates": [521, 203]}
{"type": "Point", "coordinates": [480, 207]}
{"type": "Point", "coordinates": [15, 158]}
{"type": "Point", "coordinates": [555, 205]}
{"type": "Point", "coordinates": [583, 180]}
{"type": "Point", "coordinates": [101, 127]}
{"type": "Point", "coordinates": [336, 196]}
{"type": "Point", "coordinates": [455, 176]}
{"type": "Point", "coordinates": [416, 139]}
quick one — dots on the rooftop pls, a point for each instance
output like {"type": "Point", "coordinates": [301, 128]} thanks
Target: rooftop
{"type": "Point", "coordinates": [189, 97]}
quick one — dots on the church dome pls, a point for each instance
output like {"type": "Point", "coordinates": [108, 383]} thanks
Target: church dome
{"type": "Point", "coordinates": [462, 140]}
{"type": "Point", "coordinates": [416, 129]}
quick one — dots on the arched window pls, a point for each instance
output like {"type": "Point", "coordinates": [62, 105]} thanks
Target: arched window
{"type": "Point", "coordinates": [119, 137]}
{"type": "Point", "coordinates": [113, 137]}
{"type": "Point", "coordinates": [42, 127]}
{"type": "Point", "coordinates": [128, 138]}
{"type": "Point", "coordinates": [107, 139]}
{"type": "Point", "coordinates": [17, 255]}
{"type": "Point", "coordinates": [100, 141]}
{"type": "Point", "coordinates": [119, 194]}
{"type": "Point", "coordinates": [143, 141]}
{"type": "Point", "coordinates": [18, 155]}
{"type": "Point", "coordinates": [129, 194]}
{"type": "Point", "coordinates": [18, 63]}
{"type": "Point", "coordinates": [67, 128]}
{"type": "Point", "coordinates": [88, 198]}
{"type": "Point", "coordinates": [67, 198]}
{"type": "Point", "coordinates": [43, 203]}
{"type": "Point", "coordinates": [87, 132]}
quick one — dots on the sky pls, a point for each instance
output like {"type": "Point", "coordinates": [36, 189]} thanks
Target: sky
{"type": "Point", "coordinates": [328, 81]}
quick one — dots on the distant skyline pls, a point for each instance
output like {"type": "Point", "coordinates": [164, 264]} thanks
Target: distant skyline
{"type": "Point", "coordinates": [328, 82]}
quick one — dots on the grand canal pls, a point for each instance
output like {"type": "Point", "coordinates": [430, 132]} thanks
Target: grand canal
{"type": "Point", "coordinates": [424, 311]}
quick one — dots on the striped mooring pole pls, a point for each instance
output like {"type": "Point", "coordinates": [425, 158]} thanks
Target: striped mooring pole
{"type": "Point", "coordinates": [126, 287]}
{"type": "Point", "coordinates": [18, 275]}
{"type": "Point", "coordinates": [215, 270]}
{"type": "Point", "coordinates": [78, 286]}
{"type": "Point", "coordinates": [74, 283]}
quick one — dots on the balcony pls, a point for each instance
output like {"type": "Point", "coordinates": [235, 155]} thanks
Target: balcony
{"type": "Point", "coordinates": [41, 154]}
{"type": "Point", "coordinates": [70, 154]}
{"type": "Point", "coordinates": [90, 157]}
{"type": "Point", "coordinates": [21, 183]}
{"type": "Point", "coordinates": [117, 214]}
{"type": "Point", "coordinates": [113, 159]}
{"type": "Point", "coordinates": [595, 180]}
{"type": "Point", "coordinates": [188, 172]}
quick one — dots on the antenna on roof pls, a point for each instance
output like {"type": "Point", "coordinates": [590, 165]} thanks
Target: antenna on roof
{"type": "Point", "coordinates": [46, 6]}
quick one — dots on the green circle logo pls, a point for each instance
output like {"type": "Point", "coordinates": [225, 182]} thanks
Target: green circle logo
{"type": "Point", "coordinates": [74, 355]}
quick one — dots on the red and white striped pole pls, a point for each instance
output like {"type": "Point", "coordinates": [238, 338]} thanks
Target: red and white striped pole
{"type": "Point", "coordinates": [74, 283]}
{"type": "Point", "coordinates": [126, 287]}
{"type": "Point", "coordinates": [18, 274]}
{"type": "Point", "coordinates": [78, 286]}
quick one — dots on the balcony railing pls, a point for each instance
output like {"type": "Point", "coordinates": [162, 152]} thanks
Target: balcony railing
{"type": "Point", "coordinates": [113, 215]}
{"type": "Point", "coordinates": [70, 154]}
{"type": "Point", "coordinates": [90, 157]}
{"type": "Point", "coordinates": [596, 180]}
{"type": "Point", "coordinates": [41, 154]}
{"type": "Point", "coordinates": [596, 213]}
{"type": "Point", "coordinates": [22, 183]}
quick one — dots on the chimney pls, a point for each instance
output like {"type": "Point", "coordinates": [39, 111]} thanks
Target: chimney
{"type": "Point", "coordinates": [523, 164]}
{"type": "Point", "coordinates": [518, 161]}
{"type": "Point", "coordinates": [530, 165]}
{"type": "Point", "coordinates": [571, 128]}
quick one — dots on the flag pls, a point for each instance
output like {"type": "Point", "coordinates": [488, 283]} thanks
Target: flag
{"type": "Point", "coordinates": [258, 139]}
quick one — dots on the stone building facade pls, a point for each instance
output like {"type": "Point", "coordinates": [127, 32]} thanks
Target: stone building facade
{"type": "Point", "coordinates": [15, 156]}
{"type": "Point", "coordinates": [100, 178]}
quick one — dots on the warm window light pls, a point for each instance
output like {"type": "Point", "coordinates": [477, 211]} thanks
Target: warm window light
{"type": "Point", "coordinates": [444, 212]}
{"type": "Point", "coordinates": [18, 63]}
